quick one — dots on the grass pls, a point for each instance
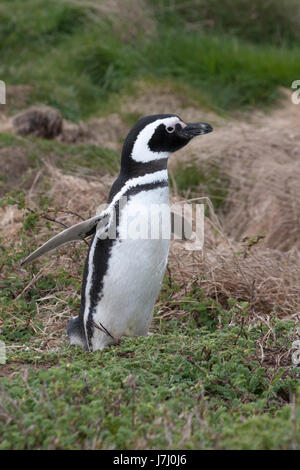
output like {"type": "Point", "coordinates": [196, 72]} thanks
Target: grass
{"type": "Point", "coordinates": [274, 21]}
{"type": "Point", "coordinates": [230, 73]}
{"type": "Point", "coordinates": [79, 65]}
{"type": "Point", "coordinates": [83, 158]}
{"type": "Point", "coordinates": [200, 381]}
{"type": "Point", "coordinates": [80, 159]}
{"type": "Point", "coordinates": [184, 387]}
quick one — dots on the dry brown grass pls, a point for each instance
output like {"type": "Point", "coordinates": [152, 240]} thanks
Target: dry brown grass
{"type": "Point", "coordinates": [268, 280]}
{"type": "Point", "coordinates": [264, 170]}
{"type": "Point", "coordinates": [251, 251]}
{"type": "Point", "coordinates": [261, 158]}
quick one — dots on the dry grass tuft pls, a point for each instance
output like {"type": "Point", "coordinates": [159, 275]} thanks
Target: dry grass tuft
{"type": "Point", "coordinates": [75, 193]}
{"type": "Point", "coordinates": [40, 121]}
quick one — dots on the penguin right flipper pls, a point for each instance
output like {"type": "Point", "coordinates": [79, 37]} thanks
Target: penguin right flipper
{"type": "Point", "coordinates": [76, 232]}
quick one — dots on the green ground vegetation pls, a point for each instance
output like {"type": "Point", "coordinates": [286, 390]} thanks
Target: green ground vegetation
{"type": "Point", "coordinates": [74, 59]}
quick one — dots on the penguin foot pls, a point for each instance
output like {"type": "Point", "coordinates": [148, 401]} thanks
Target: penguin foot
{"type": "Point", "coordinates": [75, 334]}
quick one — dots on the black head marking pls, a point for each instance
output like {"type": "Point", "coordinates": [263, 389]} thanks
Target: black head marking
{"type": "Point", "coordinates": [167, 139]}
{"type": "Point", "coordinates": [133, 134]}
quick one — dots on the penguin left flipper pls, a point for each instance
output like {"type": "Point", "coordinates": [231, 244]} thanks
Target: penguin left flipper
{"type": "Point", "coordinates": [76, 232]}
{"type": "Point", "coordinates": [88, 227]}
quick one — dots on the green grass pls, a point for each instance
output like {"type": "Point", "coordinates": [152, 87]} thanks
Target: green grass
{"type": "Point", "coordinates": [260, 22]}
{"type": "Point", "coordinates": [79, 65]}
{"type": "Point", "coordinates": [232, 74]}
{"type": "Point", "coordinates": [85, 159]}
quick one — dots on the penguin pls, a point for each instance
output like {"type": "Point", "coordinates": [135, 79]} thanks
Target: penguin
{"type": "Point", "coordinates": [123, 273]}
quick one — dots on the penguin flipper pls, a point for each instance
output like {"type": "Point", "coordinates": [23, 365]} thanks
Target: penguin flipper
{"type": "Point", "coordinates": [76, 232]}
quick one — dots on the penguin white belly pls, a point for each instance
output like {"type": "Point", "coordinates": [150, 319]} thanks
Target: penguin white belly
{"type": "Point", "coordinates": [135, 270]}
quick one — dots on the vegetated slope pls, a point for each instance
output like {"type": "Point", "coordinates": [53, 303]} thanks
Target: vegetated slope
{"type": "Point", "coordinates": [82, 54]}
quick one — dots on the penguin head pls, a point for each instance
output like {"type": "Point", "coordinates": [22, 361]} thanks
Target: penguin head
{"type": "Point", "coordinates": [156, 137]}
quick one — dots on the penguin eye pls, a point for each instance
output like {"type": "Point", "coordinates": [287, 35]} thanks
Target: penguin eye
{"type": "Point", "coordinates": [170, 129]}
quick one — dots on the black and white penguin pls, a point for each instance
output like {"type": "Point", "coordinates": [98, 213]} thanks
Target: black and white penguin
{"type": "Point", "coordinates": [123, 274]}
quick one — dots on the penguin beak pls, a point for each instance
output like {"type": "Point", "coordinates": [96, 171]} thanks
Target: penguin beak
{"type": "Point", "coordinates": [192, 129]}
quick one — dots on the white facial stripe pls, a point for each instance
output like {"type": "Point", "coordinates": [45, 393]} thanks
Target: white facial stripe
{"type": "Point", "coordinates": [156, 177]}
{"type": "Point", "coordinates": [141, 151]}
